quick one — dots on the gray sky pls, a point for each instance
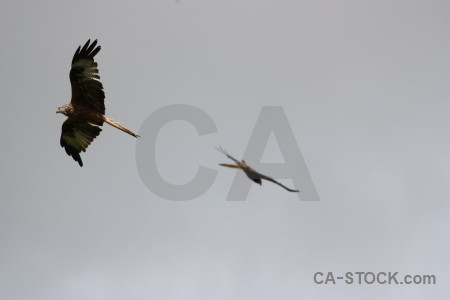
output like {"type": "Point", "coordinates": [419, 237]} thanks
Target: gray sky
{"type": "Point", "coordinates": [365, 87]}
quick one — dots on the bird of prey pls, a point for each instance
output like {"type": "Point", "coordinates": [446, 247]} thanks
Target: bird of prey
{"type": "Point", "coordinates": [86, 110]}
{"type": "Point", "coordinates": [250, 172]}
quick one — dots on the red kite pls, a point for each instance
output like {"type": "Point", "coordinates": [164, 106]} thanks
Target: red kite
{"type": "Point", "coordinates": [86, 110]}
{"type": "Point", "coordinates": [251, 173]}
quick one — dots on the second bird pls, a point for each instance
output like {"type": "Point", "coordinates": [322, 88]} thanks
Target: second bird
{"type": "Point", "coordinates": [254, 175]}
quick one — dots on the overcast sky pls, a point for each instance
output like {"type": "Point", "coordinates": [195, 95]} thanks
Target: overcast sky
{"type": "Point", "coordinates": [365, 89]}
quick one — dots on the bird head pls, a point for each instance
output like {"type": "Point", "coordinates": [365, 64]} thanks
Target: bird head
{"type": "Point", "coordinates": [243, 164]}
{"type": "Point", "coordinates": [61, 110]}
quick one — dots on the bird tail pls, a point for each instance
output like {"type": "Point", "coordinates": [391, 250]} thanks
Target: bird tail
{"type": "Point", "coordinates": [118, 126]}
{"type": "Point", "coordinates": [229, 166]}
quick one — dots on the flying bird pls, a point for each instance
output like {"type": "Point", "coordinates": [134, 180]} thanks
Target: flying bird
{"type": "Point", "coordinates": [250, 172]}
{"type": "Point", "coordinates": [86, 110]}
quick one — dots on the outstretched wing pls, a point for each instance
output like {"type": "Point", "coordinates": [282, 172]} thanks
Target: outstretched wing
{"type": "Point", "coordinates": [76, 136]}
{"type": "Point", "coordinates": [220, 149]}
{"type": "Point", "coordinates": [283, 186]}
{"type": "Point", "coordinates": [258, 176]}
{"type": "Point", "coordinates": [87, 90]}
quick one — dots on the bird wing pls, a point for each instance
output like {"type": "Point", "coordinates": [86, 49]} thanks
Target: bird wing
{"type": "Point", "coordinates": [87, 90]}
{"type": "Point", "coordinates": [220, 149]}
{"type": "Point", "coordinates": [256, 174]}
{"type": "Point", "coordinates": [76, 136]}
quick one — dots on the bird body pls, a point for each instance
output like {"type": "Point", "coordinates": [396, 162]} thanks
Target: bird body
{"type": "Point", "coordinates": [251, 173]}
{"type": "Point", "coordinates": [86, 110]}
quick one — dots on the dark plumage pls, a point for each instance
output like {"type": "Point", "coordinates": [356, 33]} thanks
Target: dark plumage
{"type": "Point", "coordinates": [86, 109]}
{"type": "Point", "coordinates": [251, 173]}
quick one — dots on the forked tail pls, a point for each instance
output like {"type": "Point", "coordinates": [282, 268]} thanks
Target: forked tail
{"type": "Point", "coordinates": [229, 166]}
{"type": "Point", "coordinates": [118, 126]}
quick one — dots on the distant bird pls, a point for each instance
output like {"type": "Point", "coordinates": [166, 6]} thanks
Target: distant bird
{"type": "Point", "coordinates": [251, 173]}
{"type": "Point", "coordinates": [86, 110]}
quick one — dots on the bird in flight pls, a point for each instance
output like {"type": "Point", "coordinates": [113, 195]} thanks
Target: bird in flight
{"type": "Point", "coordinates": [86, 110]}
{"type": "Point", "coordinates": [250, 172]}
